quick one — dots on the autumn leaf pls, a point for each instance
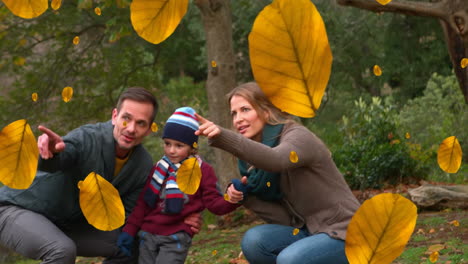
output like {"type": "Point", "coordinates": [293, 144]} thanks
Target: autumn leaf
{"type": "Point", "coordinates": [97, 11]}
{"type": "Point", "coordinates": [67, 94]}
{"type": "Point", "coordinates": [55, 4]}
{"type": "Point", "coordinates": [27, 8]}
{"type": "Point", "coordinates": [464, 63]}
{"type": "Point", "coordinates": [76, 40]}
{"type": "Point", "coordinates": [100, 203]}
{"type": "Point", "coordinates": [189, 176]}
{"type": "Point", "coordinates": [434, 257]}
{"type": "Point", "coordinates": [377, 70]}
{"type": "Point", "coordinates": [155, 21]}
{"type": "Point", "coordinates": [290, 55]}
{"type": "Point", "coordinates": [383, 2]}
{"type": "Point", "coordinates": [380, 229]}
{"type": "Point", "coordinates": [435, 247]}
{"type": "Point", "coordinates": [295, 231]}
{"type": "Point", "coordinates": [449, 155]}
{"type": "Point", "coordinates": [293, 157]}
{"type": "Point", "coordinates": [19, 155]}
{"type": "Point", "coordinates": [34, 97]}
{"type": "Point", "coordinates": [154, 127]}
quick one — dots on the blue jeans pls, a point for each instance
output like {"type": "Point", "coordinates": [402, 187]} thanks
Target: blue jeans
{"type": "Point", "coordinates": [277, 244]}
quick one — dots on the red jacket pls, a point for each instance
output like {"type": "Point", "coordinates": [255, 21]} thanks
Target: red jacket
{"type": "Point", "coordinates": [154, 221]}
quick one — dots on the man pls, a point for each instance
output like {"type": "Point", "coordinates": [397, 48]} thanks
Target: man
{"type": "Point", "coordinates": [45, 221]}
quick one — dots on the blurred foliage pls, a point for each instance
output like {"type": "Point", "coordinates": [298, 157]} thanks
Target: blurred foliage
{"type": "Point", "coordinates": [38, 55]}
{"type": "Point", "coordinates": [441, 112]}
{"type": "Point", "coordinates": [374, 151]}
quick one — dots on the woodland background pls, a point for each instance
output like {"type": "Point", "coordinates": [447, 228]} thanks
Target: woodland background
{"type": "Point", "coordinates": [380, 130]}
{"type": "Point", "coordinates": [383, 131]}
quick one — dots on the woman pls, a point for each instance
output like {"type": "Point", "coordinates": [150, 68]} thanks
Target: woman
{"type": "Point", "coordinates": [289, 180]}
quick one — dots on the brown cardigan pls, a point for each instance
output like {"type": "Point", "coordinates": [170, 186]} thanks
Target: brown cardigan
{"type": "Point", "coordinates": [315, 192]}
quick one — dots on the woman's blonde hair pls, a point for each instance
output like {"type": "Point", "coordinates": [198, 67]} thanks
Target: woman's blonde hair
{"type": "Point", "coordinates": [254, 95]}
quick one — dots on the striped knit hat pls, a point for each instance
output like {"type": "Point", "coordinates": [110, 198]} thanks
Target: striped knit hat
{"type": "Point", "coordinates": [181, 126]}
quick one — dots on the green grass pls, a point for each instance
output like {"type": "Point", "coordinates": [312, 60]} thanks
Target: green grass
{"type": "Point", "coordinates": [433, 221]}
{"type": "Point", "coordinates": [412, 255]}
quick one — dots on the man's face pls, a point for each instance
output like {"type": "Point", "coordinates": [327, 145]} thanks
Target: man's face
{"type": "Point", "coordinates": [131, 124]}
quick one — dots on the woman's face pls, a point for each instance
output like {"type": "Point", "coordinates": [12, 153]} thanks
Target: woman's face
{"type": "Point", "coordinates": [246, 119]}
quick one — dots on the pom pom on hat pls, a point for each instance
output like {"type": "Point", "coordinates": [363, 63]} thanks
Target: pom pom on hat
{"type": "Point", "coordinates": [181, 126]}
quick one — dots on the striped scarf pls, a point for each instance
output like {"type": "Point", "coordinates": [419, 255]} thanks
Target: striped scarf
{"type": "Point", "coordinates": [164, 176]}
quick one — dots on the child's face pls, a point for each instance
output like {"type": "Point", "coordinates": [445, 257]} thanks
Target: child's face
{"type": "Point", "coordinates": [175, 150]}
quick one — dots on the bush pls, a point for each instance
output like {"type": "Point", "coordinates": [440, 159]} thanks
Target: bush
{"type": "Point", "coordinates": [440, 113]}
{"type": "Point", "coordinates": [374, 152]}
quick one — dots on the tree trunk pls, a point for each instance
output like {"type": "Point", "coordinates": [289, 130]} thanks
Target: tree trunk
{"type": "Point", "coordinates": [453, 15]}
{"type": "Point", "coordinates": [216, 15]}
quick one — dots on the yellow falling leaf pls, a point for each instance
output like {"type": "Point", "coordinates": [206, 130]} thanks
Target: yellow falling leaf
{"type": "Point", "coordinates": [268, 184]}
{"type": "Point", "coordinates": [155, 21]}
{"type": "Point", "coordinates": [100, 203]}
{"type": "Point", "coordinates": [295, 231]}
{"type": "Point", "coordinates": [293, 157]}
{"type": "Point", "coordinates": [189, 176]}
{"type": "Point", "coordinates": [434, 257]}
{"type": "Point", "coordinates": [55, 4]}
{"type": "Point", "coordinates": [383, 2]}
{"type": "Point", "coordinates": [195, 145]}
{"type": "Point", "coordinates": [76, 40]}
{"type": "Point", "coordinates": [214, 252]}
{"type": "Point", "coordinates": [97, 11]}
{"type": "Point", "coordinates": [407, 135]}
{"type": "Point", "coordinates": [154, 127]}
{"type": "Point", "coordinates": [19, 155]}
{"type": "Point", "coordinates": [464, 63]}
{"type": "Point", "coordinates": [19, 61]}
{"type": "Point", "coordinates": [213, 64]}
{"type": "Point", "coordinates": [455, 223]}
{"type": "Point", "coordinates": [34, 97]}
{"type": "Point", "coordinates": [290, 55]}
{"type": "Point", "coordinates": [380, 229]}
{"type": "Point", "coordinates": [377, 70]}
{"type": "Point", "coordinates": [27, 8]}
{"type": "Point", "coordinates": [449, 155]}
{"type": "Point", "coordinates": [226, 197]}
{"type": "Point", "coordinates": [124, 123]}
{"type": "Point", "coordinates": [67, 94]}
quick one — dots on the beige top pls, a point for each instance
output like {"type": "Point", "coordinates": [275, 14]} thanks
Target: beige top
{"type": "Point", "coordinates": [315, 192]}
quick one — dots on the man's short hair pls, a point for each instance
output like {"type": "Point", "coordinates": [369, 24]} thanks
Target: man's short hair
{"type": "Point", "coordinates": [139, 94]}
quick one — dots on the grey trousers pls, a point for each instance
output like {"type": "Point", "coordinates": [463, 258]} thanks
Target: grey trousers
{"type": "Point", "coordinates": [34, 236]}
{"type": "Point", "coordinates": [156, 249]}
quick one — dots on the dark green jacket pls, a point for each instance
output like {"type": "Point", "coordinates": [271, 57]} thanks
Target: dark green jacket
{"type": "Point", "coordinates": [89, 148]}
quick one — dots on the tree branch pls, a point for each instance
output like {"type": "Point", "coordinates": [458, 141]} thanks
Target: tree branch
{"type": "Point", "coordinates": [427, 9]}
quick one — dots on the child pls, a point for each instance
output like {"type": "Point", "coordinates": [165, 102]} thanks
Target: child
{"type": "Point", "coordinates": [158, 217]}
